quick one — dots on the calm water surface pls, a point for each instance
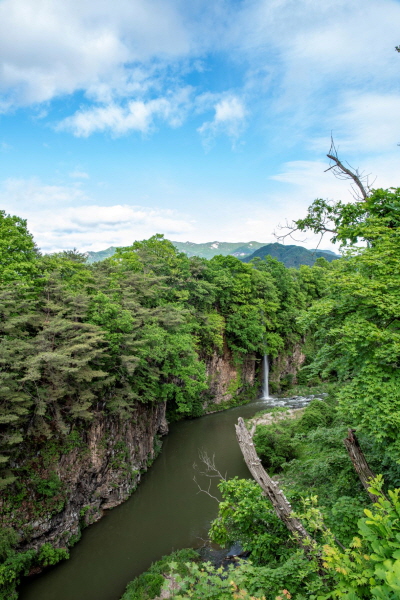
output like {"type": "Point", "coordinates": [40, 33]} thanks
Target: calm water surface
{"type": "Point", "coordinates": [166, 513]}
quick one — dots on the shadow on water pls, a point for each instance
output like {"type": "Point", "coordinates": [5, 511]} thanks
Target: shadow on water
{"type": "Point", "coordinates": [166, 513]}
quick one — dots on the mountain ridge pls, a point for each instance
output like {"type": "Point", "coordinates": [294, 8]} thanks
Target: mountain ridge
{"type": "Point", "coordinates": [291, 256]}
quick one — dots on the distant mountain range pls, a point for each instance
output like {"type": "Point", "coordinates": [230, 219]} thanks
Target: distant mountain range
{"type": "Point", "coordinates": [93, 257]}
{"type": "Point", "coordinates": [210, 249]}
{"type": "Point", "coordinates": [291, 256]}
{"type": "Point", "coordinates": [206, 250]}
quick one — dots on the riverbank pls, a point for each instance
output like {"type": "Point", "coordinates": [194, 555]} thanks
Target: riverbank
{"type": "Point", "coordinates": [303, 449]}
{"type": "Point", "coordinates": [165, 513]}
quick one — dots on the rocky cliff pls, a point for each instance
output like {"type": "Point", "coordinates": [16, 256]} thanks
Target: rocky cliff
{"type": "Point", "coordinates": [98, 473]}
{"type": "Point", "coordinates": [69, 484]}
{"type": "Point", "coordinates": [284, 368]}
{"type": "Point", "coordinates": [227, 378]}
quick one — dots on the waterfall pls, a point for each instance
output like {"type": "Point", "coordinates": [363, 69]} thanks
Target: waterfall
{"type": "Point", "coordinates": [265, 390]}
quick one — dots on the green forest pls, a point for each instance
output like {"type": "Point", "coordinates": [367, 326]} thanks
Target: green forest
{"type": "Point", "coordinates": [78, 340]}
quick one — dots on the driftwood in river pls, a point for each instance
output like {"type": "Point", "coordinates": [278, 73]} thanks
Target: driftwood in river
{"type": "Point", "coordinates": [270, 488]}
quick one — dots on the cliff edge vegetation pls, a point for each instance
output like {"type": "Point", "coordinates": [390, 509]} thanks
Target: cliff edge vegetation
{"type": "Point", "coordinates": [91, 357]}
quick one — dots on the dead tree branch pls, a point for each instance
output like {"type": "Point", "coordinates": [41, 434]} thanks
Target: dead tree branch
{"type": "Point", "coordinates": [207, 491]}
{"type": "Point", "coordinates": [342, 172]}
{"type": "Point", "coordinates": [359, 462]}
{"type": "Point", "coordinates": [211, 469]}
{"type": "Point", "coordinates": [211, 472]}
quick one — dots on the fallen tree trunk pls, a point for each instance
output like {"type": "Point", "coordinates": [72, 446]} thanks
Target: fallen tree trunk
{"type": "Point", "coordinates": [359, 461]}
{"type": "Point", "coordinates": [271, 489]}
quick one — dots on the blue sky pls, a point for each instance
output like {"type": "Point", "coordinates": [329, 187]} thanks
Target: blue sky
{"type": "Point", "coordinates": [200, 120]}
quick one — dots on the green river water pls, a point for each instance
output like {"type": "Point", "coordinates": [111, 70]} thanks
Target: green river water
{"type": "Point", "coordinates": [166, 513]}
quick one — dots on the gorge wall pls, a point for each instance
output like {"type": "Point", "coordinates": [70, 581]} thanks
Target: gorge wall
{"type": "Point", "coordinates": [100, 472]}
{"type": "Point", "coordinates": [104, 463]}
{"type": "Point", "coordinates": [284, 368]}
{"type": "Point", "coordinates": [101, 465]}
{"type": "Point", "coordinates": [228, 378]}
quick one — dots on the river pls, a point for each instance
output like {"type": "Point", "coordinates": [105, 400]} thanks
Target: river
{"type": "Point", "coordinates": [167, 512]}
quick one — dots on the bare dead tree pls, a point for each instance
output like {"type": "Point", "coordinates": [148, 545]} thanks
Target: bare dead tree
{"type": "Point", "coordinates": [361, 188]}
{"type": "Point", "coordinates": [359, 461]}
{"type": "Point", "coordinates": [210, 471]}
{"type": "Point", "coordinates": [322, 215]}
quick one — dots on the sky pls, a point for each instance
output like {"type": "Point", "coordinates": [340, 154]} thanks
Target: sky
{"type": "Point", "coordinates": [200, 120]}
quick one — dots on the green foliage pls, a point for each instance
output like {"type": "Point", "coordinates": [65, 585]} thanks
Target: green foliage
{"type": "Point", "coordinates": [18, 253]}
{"type": "Point", "coordinates": [297, 577]}
{"type": "Point", "coordinates": [245, 517]}
{"type": "Point", "coordinates": [51, 486]}
{"type": "Point", "coordinates": [370, 567]}
{"type": "Point", "coordinates": [15, 564]}
{"type": "Point", "coordinates": [356, 323]}
{"type": "Point", "coordinates": [275, 446]}
{"type": "Point", "coordinates": [316, 414]}
{"type": "Point", "coordinates": [148, 585]}
{"type": "Point", "coordinates": [48, 555]}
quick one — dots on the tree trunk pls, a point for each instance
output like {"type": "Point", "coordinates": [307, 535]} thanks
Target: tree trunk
{"type": "Point", "coordinates": [270, 488]}
{"type": "Point", "coordinates": [359, 461]}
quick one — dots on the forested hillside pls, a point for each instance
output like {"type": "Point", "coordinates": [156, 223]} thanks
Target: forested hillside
{"type": "Point", "coordinates": [290, 255]}
{"type": "Point", "coordinates": [79, 341]}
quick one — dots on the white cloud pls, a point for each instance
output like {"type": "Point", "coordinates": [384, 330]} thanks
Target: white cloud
{"type": "Point", "coordinates": [17, 194]}
{"type": "Point", "coordinates": [229, 118]}
{"type": "Point", "coordinates": [64, 217]}
{"type": "Point", "coordinates": [93, 227]}
{"type": "Point", "coordinates": [370, 122]}
{"type": "Point", "coordinates": [79, 174]}
{"type": "Point", "coordinates": [136, 115]}
{"type": "Point", "coordinates": [51, 48]}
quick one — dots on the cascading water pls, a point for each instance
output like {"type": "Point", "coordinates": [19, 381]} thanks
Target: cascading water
{"type": "Point", "coordinates": [265, 390]}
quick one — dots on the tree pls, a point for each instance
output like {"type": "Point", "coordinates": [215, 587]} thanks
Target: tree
{"type": "Point", "coordinates": [356, 324]}
{"type": "Point", "coordinates": [18, 252]}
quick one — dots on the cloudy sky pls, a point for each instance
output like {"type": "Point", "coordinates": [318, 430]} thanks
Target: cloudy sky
{"type": "Point", "coordinates": [200, 120]}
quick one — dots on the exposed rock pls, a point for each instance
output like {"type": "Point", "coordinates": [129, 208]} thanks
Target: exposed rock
{"type": "Point", "coordinates": [102, 474]}
{"type": "Point", "coordinates": [267, 418]}
{"type": "Point", "coordinates": [227, 378]}
{"type": "Point", "coordinates": [287, 364]}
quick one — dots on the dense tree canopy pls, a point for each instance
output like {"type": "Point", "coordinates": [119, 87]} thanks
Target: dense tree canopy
{"type": "Point", "coordinates": [356, 323]}
{"type": "Point", "coordinates": [77, 339]}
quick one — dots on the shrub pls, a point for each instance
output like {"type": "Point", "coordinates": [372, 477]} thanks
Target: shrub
{"type": "Point", "coordinates": [148, 585]}
{"type": "Point", "coordinates": [48, 555]}
{"type": "Point", "coordinates": [317, 414]}
{"type": "Point", "coordinates": [275, 445]}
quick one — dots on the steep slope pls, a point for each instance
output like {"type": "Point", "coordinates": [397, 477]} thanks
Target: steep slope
{"type": "Point", "coordinates": [291, 256]}
{"type": "Point", "coordinates": [93, 257]}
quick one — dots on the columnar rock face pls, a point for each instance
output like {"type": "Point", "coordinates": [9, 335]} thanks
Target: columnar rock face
{"type": "Point", "coordinates": [287, 364]}
{"type": "Point", "coordinates": [105, 464]}
{"type": "Point", "coordinates": [226, 377]}
{"type": "Point", "coordinates": [100, 473]}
